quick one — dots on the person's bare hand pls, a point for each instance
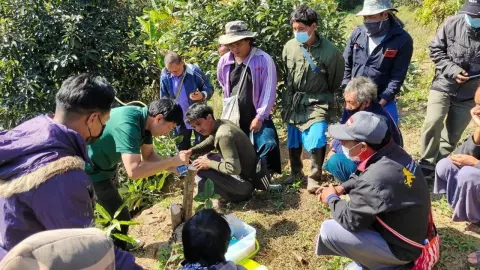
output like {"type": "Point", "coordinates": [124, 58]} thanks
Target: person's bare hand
{"type": "Point", "coordinates": [256, 125]}
{"type": "Point", "coordinates": [340, 190]}
{"type": "Point", "coordinates": [463, 160]}
{"type": "Point", "coordinates": [462, 77]}
{"type": "Point", "coordinates": [383, 102]}
{"type": "Point", "coordinates": [201, 163]}
{"type": "Point", "coordinates": [196, 96]}
{"type": "Point", "coordinates": [325, 192]}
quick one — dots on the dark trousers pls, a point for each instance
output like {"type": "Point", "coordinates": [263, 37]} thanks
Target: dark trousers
{"type": "Point", "coordinates": [230, 188]}
{"type": "Point", "coordinates": [186, 142]}
{"type": "Point", "coordinates": [109, 198]}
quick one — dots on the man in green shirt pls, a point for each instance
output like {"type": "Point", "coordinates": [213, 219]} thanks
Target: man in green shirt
{"type": "Point", "coordinates": [127, 138]}
{"type": "Point", "coordinates": [232, 169]}
{"type": "Point", "coordinates": [314, 72]}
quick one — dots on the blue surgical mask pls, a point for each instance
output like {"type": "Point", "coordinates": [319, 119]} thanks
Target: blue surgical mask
{"type": "Point", "coordinates": [302, 37]}
{"type": "Point", "coordinates": [473, 22]}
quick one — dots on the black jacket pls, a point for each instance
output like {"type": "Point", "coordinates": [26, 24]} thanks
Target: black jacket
{"type": "Point", "coordinates": [388, 63]}
{"type": "Point", "coordinates": [384, 189]}
{"type": "Point", "coordinates": [456, 47]}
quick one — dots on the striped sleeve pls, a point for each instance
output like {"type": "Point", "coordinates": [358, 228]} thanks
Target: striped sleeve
{"type": "Point", "coordinates": [268, 88]}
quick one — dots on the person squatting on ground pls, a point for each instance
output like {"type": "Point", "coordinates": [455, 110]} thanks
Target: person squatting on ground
{"type": "Point", "coordinates": [44, 185]}
{"type": "Point", "coordinates": [128, 139]}
{"type": "Point", "coordinates": [232, 169]}
{"type": "Point", "coordinates": [456, 54]}
{"type": "Point", "coordinates": [458, 177]}
{"type": "Point", "coordinates": [250, 74]}
{"type": "Point", "coordinates": [381, 50]}
{"type": "Point", "coordinates": [387, 185]}
{"type": "Point", "coordinates": [187, 84]}
{"type": "Point", "coordinates": [314, 72]}
{"type": "Point", "coordinates": [360, 95]}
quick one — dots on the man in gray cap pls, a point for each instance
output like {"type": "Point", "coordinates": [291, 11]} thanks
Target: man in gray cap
{"type": "Point", "coordinates": [248, 77]}
{"type": "Point", "coordinates": [455, 50]}
{"type": "Point", "coordinates": [381, 50]}
{"type": "Point", "coordinates": [387, 186]}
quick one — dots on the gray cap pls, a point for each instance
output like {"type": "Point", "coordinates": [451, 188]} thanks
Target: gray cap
{"type": "Point", "coordinates": [372, 7]}
{"type": "Point", "coordinates": [235, 31]}
{"type": "Point", "coordinates": [362, 126]}
{"type": "Point", "coordinates": [472, 8]}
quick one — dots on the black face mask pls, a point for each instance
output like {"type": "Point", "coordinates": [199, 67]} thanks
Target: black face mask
{"type": "Point", "coordinates": [92, 139]}
{"type": "Point", "coordinates": [377, 29]}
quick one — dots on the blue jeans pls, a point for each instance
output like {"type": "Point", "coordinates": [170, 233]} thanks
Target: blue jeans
{"type": "Point", "coordinates": [391, 108]}
{"type": "Point", "coordinates": [340, 166]}
{"type": "Point", "coordinates": [267, 146]}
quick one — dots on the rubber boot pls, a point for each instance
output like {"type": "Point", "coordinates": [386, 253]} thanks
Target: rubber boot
{"type": "Point", "coordinates": [295, 156]}
{"type": "Point", "coordinates": [315, 177]}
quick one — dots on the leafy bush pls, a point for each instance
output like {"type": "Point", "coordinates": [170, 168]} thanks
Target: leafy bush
{"type": "Point", "coordinates": [192, 28]}
{"type": "Point", "coordinates": [436, 11]}
{"type": "Point", "coordinates": [45, 42]}
{"type": "Point", "coordinates": [349, 4]}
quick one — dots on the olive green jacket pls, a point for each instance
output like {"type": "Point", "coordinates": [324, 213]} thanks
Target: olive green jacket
{"type": "Point", "coordinates": [309, 94]}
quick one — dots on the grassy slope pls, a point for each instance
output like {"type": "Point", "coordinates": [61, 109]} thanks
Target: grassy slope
{"type": "Point", "coordinates": [288, 222]}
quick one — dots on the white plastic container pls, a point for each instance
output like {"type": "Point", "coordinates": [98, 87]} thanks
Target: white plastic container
{"type": "Point", "coordinates": [246, 244]}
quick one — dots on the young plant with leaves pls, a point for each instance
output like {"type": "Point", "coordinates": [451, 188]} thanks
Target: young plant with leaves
{"type": "Point", "coordinates": [107, 223]}
{"type": "Point", "coordinates": [206, 196]}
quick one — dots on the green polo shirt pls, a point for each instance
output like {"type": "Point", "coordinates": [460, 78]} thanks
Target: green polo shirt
{"type": "Point", "coordinates": [124, 134]}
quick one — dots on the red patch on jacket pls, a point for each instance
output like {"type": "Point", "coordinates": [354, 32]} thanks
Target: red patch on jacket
{"type": "Point", "coordinates": [389, 53]}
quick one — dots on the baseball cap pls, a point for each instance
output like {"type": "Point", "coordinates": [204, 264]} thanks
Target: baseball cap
{"type": "Point", "coordinates": [472, 8]}
{"type": "Point", "coordinates": [362, 126]}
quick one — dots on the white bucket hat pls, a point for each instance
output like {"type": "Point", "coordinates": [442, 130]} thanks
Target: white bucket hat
{"type": "Point", "coordinates": [372, 7]}
{"type": "Point", "coordinates": [235, 31]}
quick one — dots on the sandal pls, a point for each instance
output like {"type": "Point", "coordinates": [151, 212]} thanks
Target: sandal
{"type": "Point", "coordinates": [473, 259]}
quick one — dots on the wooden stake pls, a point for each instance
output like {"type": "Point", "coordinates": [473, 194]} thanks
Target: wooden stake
{"type": "Point", "coordinates": [176, 215]}
{"type": "Point", "coordinates": [188, 188]}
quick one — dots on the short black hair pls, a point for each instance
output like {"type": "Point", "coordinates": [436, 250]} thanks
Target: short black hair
{"type": "Point", "coordinates": [169, 108]}
{"type": "Point", "coordinates": [84, 94]}
{"type": "Point", "coordinates": [304, 14]}
{"type": "Point", "coordinates": [172, 58]}
{"type": "Point", "coordinates": [205, 238]}
{"type": "Point", "coordinates": [197, 111]}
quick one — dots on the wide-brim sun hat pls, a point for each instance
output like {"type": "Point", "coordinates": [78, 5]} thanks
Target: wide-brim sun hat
{"type": "Point", "coordinates": [235, 31]}
{"type": "Point", "coordinates": [373, 7]}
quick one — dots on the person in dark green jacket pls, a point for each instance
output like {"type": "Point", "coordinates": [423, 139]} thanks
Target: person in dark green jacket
{"type": "Point", "coordinates": [314, 72]}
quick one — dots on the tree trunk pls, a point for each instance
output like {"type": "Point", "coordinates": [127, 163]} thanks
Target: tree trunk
{"type": "Point", "coordinates": [189, 185]}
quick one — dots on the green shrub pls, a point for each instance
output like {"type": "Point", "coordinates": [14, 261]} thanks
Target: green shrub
{"type": "Point", "coordinates": [436, 11]}
{"type": "Point", "coordinates": [45, 42]}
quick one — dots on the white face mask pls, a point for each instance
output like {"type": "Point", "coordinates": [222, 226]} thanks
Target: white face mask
{"type": "Point", "coordinates": [346, 152]}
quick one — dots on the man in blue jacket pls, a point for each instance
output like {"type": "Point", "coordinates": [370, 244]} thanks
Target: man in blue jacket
{"type": "Point", "coordinates": [381, 50]}
{"type": "Point", "coordinates": [187, 84]}
{"type": "Point", "coordinates": [360, 95]}
{"type": "Point", "coordinates": [43, 184]}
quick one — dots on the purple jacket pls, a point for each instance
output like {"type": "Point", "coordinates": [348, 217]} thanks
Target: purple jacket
{"type": "Point", "coordinates": [43, 185]}
{"type": "Point", "coordinates": [264, 78]}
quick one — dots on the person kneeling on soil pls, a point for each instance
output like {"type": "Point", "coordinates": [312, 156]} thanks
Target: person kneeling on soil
{"type": "Point", "coordinates": [360, 95]}
{"type": "Point", "coordinates": [205, 239]}
{"type": "Point", "coordinates": [388, 185]}
{"type": "Point", "coordinates": [232, 168]}
{"type": "Point", "coordinates": [128, 138]}
{"type": "Point", "coordinates": [458, 176]}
